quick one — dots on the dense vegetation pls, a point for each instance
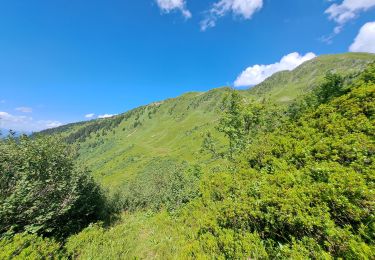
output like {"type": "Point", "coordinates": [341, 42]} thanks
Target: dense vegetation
{"type": "Point", "coordinates": [164, 184]}
{"type": "Point", "coordinates": [117, 149]}
{"type": "Point", "coordinates": [42, 191]}
{"type": "Point", "coordinates": [303, 190]}
{"type": "Point", "coordinates": [273, 180]}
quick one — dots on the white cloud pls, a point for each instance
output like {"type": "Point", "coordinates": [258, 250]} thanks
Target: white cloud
{"type": "Point", "coordinates": [365, 40]}
{"type": "Point", "coordinates": [106, 115]}
{"type": "Point", "coordinates": [242, 8]}
{"type": "Point", "coordinates": [24, 109]}
{"type": "Point", "coordinates": [256, 74]}
{"type": "Point", "coordinates": [25, 123]}
{"type": "Point", "coordinates": [4, 116]}
{"type": "Point", "coordinates": [49, 123]}
{"type": "Point", "coordinates": [90, 115]}
{"type": "Point", "coordinates": [347, 10]}
{"type": "Point", "coordinates": [168, 6]}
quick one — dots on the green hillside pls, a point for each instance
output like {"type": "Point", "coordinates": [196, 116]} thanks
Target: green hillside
{"type": "Point", "coordinates": [118, 148]}
{"type": "Point", "coordinates": [285, 86]}
{"type": "Point", "coordinates": [223, 174]}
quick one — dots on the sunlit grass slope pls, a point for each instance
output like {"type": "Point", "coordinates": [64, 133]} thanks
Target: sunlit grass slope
{"type": "Point", "coordinates": [171, 128]}
{"type": "Point", "coordinates": [285, 86]}
{"type": "Point", "coordinates": [118, 148]}
{"type": "Point", "coordinates": [136, 236]}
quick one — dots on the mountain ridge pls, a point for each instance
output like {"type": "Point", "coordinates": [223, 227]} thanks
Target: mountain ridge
{"type": "Point", "coordinates": [251, 90]}
{"type": "Point", "coordinates": [284, 86]}
{"type": "Point", "coordinates": [118, 148]}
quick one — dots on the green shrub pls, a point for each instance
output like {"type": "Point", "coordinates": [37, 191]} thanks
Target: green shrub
{"type": "Point", "coordinates": [306, 188]}
{"type": "Point", "coordinates": [165, 183]}
{"type": "Point", "coordinates": [42, 191]}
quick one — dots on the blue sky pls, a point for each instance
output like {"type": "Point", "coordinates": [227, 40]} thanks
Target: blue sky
{"type": "Point", "coordinates": [62, 59]}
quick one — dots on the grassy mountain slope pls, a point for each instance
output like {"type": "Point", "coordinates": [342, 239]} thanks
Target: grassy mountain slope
{"type": "Point", "coordinates": [296, 185]}
{"type": "Point", "coordinates": [118, 148]}
{"type": "Point", "coordinates": [301, 191]}
{"type": "Point", "coordinates": [285, 86]}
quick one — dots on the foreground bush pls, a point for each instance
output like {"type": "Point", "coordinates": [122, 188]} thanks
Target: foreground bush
{"type": "Point", "coordinates": [42, 191]}
{"type": "Point", "coordinates": [303, 190]}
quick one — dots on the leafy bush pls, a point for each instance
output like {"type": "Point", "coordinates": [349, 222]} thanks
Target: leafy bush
{"type": "Point", "coordinates": [305, 188]}
{"type": "Point", "coordinates": [331, 88]}
{"type": "Point", "coordinates": [164, 183]}
{"type": "Point", "coordinates": [42, 191]}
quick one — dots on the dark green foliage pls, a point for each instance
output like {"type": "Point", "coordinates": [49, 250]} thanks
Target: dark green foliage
{"type": "Point", "coordinates": [306, 189]}
{"type": "Point", "coordinates": [86, 129]}
{"type": "Point", "coordinates": [164, 183]}
{"type": "Point", "coordinates": [136, 124]}
{"type": "Point", "coordinates": [234, 124]}
{"type": "Point", "coordinates": [42, 191]}
{"type": "Point", "coordinates": [240, 122]}
{"type": "Point", "coordinates": [331, 88]}
{"type": "Point", "coordinates": [368, 75]}
{"type": "Point", "coordinates": [94, 127]}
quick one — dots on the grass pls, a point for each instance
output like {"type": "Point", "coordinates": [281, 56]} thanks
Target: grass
{"type": "Point", "coordinates": [136, 236]}
{"type": "Point", "coordinates": [174, 128]}
{"type": "Point", "coordinates": [285, 86]}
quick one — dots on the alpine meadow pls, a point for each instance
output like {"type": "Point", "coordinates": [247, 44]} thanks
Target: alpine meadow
{"type": "Point", "coordinates": [279, 164]}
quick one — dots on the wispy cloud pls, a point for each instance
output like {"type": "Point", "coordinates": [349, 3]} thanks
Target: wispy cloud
{"type": "Point", "coordinates": [92, 115]}
{"type": "Point", "coordinates": [243, 8]}
{"type": "Point", "coordinates": [347, 10]}
{"type": "Point", "coordinates": [49, 123]}
{"type": "Point", "coordinates": [25, 123]}
{"type": "Point", "coordinates": [24, 109]}
{"type": "Point", "coordinates": [106, 115]}
{"type": "Point", "coordinates": [365, 40]}
{"type": "Point", "coordinates": [168, 6]}
{"type": "Point", "coordinates": [258, 73]}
